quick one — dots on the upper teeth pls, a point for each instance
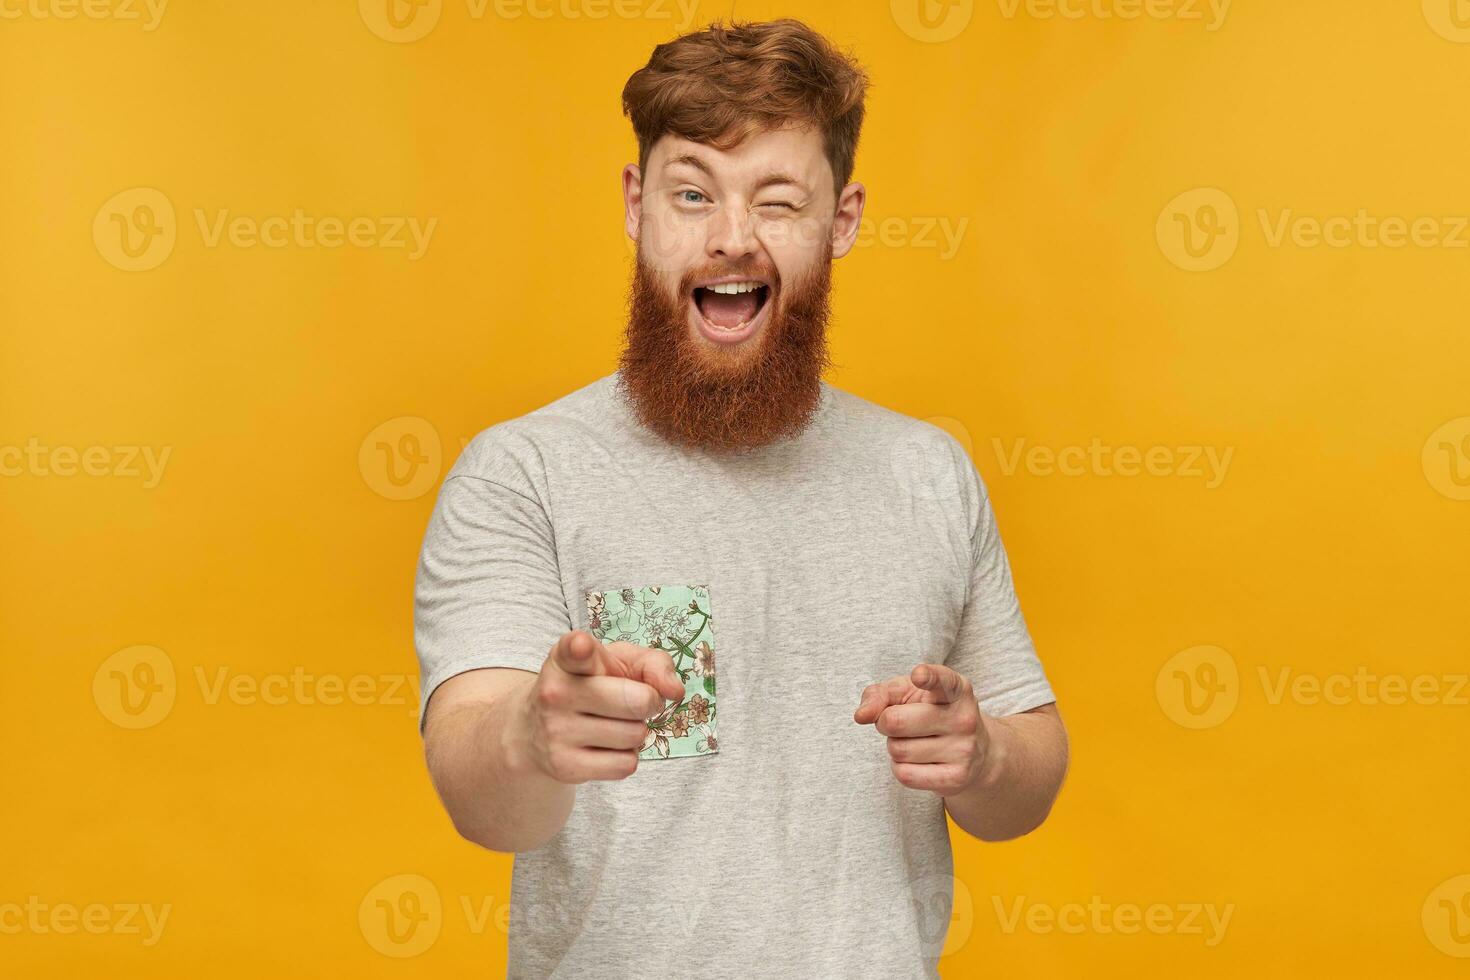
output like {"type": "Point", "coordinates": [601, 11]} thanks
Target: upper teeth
{"type": "Point", "coordinates": [734, 287]}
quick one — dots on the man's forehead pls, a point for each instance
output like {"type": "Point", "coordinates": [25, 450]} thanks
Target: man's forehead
{"type": "Point", "coordinates": [790, 151]}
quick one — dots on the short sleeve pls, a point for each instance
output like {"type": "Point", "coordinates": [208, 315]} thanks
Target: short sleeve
{"type": "Point", "coordinates": [488, 591]}
{"type": "Point", "coordinates": [993, 647]}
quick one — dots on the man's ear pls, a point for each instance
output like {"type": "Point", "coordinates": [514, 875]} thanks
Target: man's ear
{"type": "Point", "coordinates": [632, 199]}
{"type": "Point", "coordinates": [849, 217]}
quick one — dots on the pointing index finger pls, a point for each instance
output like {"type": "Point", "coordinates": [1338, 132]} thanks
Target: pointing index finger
{"type": "Point", "coordinates": [579, 652]}
{"type": "Point", "coordinates": [943, 682]}
{"type": "Point", "coordinates": [656, 669]}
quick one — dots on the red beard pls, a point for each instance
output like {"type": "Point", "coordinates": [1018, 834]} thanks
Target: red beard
{"type": "Point", "coordinates": [700, 395]}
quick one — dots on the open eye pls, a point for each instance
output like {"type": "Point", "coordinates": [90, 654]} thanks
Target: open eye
{"type": "Point", "coordinates": [685, 200]}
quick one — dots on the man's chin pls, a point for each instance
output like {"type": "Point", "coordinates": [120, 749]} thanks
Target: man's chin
{"type": "Point", "coordinates": [724, 358]}
{"type": "Point", "coordinates": [724, 338]}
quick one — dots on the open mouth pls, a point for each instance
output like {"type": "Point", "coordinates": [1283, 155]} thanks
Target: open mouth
{"type": "Point", "coordinates": [729, 310]}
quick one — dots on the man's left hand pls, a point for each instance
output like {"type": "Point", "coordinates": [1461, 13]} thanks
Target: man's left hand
{"type": "Point", "coordinates": [937, 735]}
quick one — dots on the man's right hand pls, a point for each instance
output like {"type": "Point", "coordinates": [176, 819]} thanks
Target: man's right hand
{"type": "Point", "coordinates": [584, 717]}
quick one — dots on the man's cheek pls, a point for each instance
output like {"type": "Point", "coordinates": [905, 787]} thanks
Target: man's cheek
{"type": "Point", "coordinates": [795, 240]}
{"type": "Point", "coordinates": [668, 246]}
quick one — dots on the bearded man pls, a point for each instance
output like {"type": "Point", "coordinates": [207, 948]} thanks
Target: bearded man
{"type": "Point", "coordinates": [710, 644]}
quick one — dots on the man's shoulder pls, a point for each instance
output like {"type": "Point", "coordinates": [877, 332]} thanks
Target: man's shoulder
{"type": "Point", "coordinates": [585, 404]}
{"type": "Point", "coordinates": [513, 449]}
{"type": "Point", "coordinates": [928, 457]}
{"type": "Point", "coordinates": [868, 419]}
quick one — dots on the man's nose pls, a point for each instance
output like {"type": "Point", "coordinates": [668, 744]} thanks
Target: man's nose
{"type": "Point", "coordinates": [731, 235]}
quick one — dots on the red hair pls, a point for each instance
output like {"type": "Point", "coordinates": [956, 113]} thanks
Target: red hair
{"type": "Point", "coordinates": [720, 84]}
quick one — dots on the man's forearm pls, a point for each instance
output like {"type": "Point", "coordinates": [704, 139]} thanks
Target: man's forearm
{"type": "Point", "coordinates": [1014, 790]}
{"type": "Point", "coordinates": [494, 795]}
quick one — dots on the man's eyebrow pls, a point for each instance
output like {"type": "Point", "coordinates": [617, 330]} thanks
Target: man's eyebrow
{"type": "Point", "coordinates": [779, 177]}
{"type": "Point", "coordinates": [769, 179]}
{"type": "Point", "coordinates": [689, 159]}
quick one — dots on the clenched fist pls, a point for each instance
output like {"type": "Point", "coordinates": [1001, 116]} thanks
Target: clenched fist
{"type": "Point", "coordinates": [584, 717]}
{"type": "Point", "coordinates": [937, 739]}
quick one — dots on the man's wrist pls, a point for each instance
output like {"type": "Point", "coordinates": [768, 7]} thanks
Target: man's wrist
{"type": "Point", "coordinates": [512, 729]}
{"type": "Point", "coordinates": [991, 772]}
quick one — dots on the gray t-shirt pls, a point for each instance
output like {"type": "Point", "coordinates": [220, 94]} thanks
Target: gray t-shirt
{"type": "Point", "coordinates": [824, 562]}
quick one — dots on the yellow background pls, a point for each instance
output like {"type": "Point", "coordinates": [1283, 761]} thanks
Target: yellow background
{"type": "Point", "coordinates": [1335, 541]}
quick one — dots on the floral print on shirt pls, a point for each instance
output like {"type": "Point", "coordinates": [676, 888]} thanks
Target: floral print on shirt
{"type": "Point", "coordinates": [677, 619]}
